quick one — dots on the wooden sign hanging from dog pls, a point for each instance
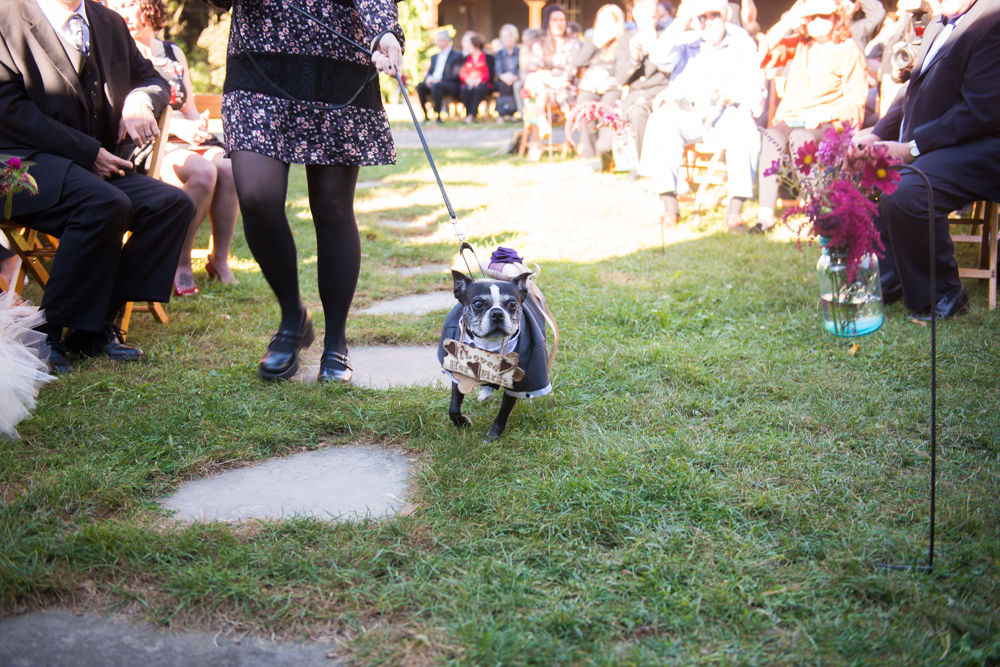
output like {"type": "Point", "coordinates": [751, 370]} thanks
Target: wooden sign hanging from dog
{"type": "Point", "coordinates": [480, 366]}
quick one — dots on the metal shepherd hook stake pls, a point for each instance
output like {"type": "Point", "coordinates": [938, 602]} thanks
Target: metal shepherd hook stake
{"type": "Point", "coordinates": [930, 223]}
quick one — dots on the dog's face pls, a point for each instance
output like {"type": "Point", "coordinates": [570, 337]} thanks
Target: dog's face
{"type": "Point", "coordinates": [491, 309]}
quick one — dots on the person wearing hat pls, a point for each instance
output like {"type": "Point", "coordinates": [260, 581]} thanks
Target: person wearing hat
{"type": "Point", "coordinates": [827, 83]}
{"type": "Point", "coordinates": [716, 88]}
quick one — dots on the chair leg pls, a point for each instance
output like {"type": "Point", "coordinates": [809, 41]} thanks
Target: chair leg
{"type": "Point", "coordinates": [990, 224]}
{"type": "Point", "coordinates": [126, 317]}
{"type": "Point", "coordinates": [524, 140]}
{"type": "Point", "coordinates": [158, 313]}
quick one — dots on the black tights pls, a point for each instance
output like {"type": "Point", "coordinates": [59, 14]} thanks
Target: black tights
{"type": "Point", "coordinates": [262, 185]}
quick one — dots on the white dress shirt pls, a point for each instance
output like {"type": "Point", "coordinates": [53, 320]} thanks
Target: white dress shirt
{"type": "Point", "coordinates": [59, 18]}
{"type": "Point", "coordinates": [439, 64]}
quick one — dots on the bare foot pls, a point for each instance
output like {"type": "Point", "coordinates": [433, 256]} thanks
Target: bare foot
{"type": "Point", "coordinates": [184, 284]}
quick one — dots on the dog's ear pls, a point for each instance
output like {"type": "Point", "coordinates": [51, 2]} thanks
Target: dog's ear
{"type": "Point", "coordinates": [521, 283]}
{"type": "Point", "coordinates": [462, 283]}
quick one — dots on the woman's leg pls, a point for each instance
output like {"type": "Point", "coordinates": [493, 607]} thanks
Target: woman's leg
{"type": "Point", "coordinates": [467, 97]}
{"type": "Point", "coordinates": [197, 177]}
{"type": "Point", "coordinates": [338, 245]}
{"type": "Point", "coordinates": [261, 185]}
{"type": "Point", "coordinates": [222, 214]}
{"type": "Point", "coordinates": [478, 95]}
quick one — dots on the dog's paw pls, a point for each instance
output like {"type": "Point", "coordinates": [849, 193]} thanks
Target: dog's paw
{"type": "Point", "coordinates": [460, 420]}
{"type": "Point", "coordinates": [485, 393]}
{"type": "Point", "coordinates": [493, 435]}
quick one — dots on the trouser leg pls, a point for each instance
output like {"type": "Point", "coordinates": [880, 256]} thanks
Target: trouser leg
{"type": "Point", "coordinates": [669, 130]}
{"type": "Point", "coordinates": [904, 217]}
{"type": "Point", "coordinates": [739, 137]}
{"type": "Point", "coordinates": [638, 116]}
{"type": "Point", "coordinates": [440, 90]}
{"type": "Point", "coordinates": [424, 95]}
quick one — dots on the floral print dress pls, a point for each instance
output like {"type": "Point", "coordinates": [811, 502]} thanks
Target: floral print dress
{"type": "Point", "coordinates": [270, 45]}
{"type": "Point", "coordinates": [558, 65]}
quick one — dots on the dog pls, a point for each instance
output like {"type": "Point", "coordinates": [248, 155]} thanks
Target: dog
{"type": "Point", "coordinates": [491, 314]}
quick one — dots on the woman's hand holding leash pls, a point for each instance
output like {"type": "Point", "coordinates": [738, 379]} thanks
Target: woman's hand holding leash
{"type": "Point", "coordinates": [388, 58]}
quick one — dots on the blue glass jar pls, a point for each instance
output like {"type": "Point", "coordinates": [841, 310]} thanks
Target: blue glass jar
{"type": "Point", "coordinates": [849, 308]}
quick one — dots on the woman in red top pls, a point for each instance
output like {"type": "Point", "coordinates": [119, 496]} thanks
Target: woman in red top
{"type": "Point", "coordinates": [476, 74]}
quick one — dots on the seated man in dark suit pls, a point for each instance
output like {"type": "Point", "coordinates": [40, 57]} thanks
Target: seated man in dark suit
{"type": "Point", "coordinates": [72, 85]}
{"type": "Point", "coordinates": [947, 124]}
{"type": "Point", "coordinates": [442, 75]}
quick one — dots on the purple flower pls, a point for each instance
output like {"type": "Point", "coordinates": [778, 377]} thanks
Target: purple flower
{"type": "Point", "coordinates": [14, 163]}
{"type": "Point", "coordinates": [830, 152]}
{"type": "Point", "coordinates": [773, 169]}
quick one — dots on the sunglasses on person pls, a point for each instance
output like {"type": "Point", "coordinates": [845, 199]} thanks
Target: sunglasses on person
{"type": "Point", "coordinates": [709, 16]}
{"type": "Point", "coordinates": [825, 17]}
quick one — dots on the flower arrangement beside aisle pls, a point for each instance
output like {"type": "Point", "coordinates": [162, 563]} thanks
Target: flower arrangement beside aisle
{"type": "Point", "coordinates": [836, 184]}
{"type": "Point", "coordinates": [14, 178]}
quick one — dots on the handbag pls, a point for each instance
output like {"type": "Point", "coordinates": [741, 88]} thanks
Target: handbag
{"type": "Point", "coordinates": [625, 150]}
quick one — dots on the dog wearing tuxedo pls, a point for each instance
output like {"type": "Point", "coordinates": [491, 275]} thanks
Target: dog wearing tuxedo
{"type": "Point", "coordinates": [502, 317]}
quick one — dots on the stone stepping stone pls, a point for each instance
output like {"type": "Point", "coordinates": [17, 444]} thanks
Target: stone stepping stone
{"type": "Point", "coordinates": [416, 304]}
{"type": "Point", "coordinates": [419, 270]}
{"type": "Point", "coordinates": [61, 637]}
{"type": "Point", "coordinates": [382, 367]}
{"type": "Point", "coordinates": [338, 483]}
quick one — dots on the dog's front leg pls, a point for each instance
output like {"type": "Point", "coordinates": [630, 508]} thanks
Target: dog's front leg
{"type": "Point", "coordinates": [500, 423]}
{"type": "Point", "coordinates": [455, 409]}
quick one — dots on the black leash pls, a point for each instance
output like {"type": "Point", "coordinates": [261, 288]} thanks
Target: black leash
{"type": "Point", "coordinates": [370, 77]}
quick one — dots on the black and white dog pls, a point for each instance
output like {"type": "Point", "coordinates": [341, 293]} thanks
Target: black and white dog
{"type": "Point", "coordinates": [488, 313]}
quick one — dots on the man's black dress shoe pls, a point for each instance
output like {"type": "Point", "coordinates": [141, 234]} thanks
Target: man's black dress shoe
{"type": "Point", "coordinates": [58, 363]}
{"type": "Point", "coordinates": [948, 307]}
{"type": "Point", "coordinates": [335, 367]}
{"type": "Point", "coordinates": [281, 360]}
{"type": "Point", "coordinates": [108, 343]}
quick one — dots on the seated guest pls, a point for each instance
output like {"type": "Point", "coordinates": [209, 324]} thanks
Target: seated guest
{"type": "Point", "coordinates": [196, 160]}
{"type": "Point", "coordinates": [946, 124]}
{"type": "Point", "coordinates": [827, 83]}
{"type": "Point", "coordinates": [634, 69]}
{"type": "Point", "coordinates": [550, 75]}
{"type": "Point", "coordinates": [442, 75]}
{"type": "Point", "coordinates": [476, 74]}
{"type": "Point", "coordinates": [598, 82]}
{"type": "Point", "coordinates": [716, 88]}
{"type": "Point", "coordinates": [508, 70]}
{"type": "Point", "coordinates": [573, 32]}
{"type": "Point", "coordinates": [867, 21]}
{"type": "Point", "coordinates": [65, 108]}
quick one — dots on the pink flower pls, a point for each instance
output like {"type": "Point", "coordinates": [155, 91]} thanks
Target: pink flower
{"type": "Point", "coordinates": [773, 169]}
{"type": "Point", "coordinates": [879, 172]}
{"type": "Point", "coordinates": [806, 157]}
{"type": "Point", "coordinates": [14, 163]}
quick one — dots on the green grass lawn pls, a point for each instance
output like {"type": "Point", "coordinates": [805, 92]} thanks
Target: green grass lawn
{"type": "Point", "coordinates": [710, 481]}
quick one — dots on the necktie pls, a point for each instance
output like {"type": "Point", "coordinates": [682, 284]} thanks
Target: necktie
{"type": "Point", "coordinates": [81, 34]}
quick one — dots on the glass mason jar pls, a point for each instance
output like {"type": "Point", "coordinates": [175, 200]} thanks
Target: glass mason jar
{"type": "Point", "coordinates": [849, 308]}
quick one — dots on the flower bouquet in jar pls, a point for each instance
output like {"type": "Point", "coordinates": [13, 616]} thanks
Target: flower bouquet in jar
{"type": "Point", "coordinates": [602, 115]}
{"type": "Point", "coordinates": [836, 184]}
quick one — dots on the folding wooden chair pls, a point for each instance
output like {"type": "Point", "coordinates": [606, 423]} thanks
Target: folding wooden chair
{"type": "Point", "coordinates": [703, 169]}
{"type": "Point", "coordinates": [984, 216]}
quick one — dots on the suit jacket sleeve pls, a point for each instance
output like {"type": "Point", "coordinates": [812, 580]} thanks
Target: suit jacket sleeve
{"type": "Point", "coordinates": [24, 124]}
{"type": "Point", "coordinates": [975, 115]}
{"type": "Point", "coordinates": [625, 66]}
{"type": "Point", "coordinates": [145, 79]}
{"type": "Point", "coordinates": [453, 67]}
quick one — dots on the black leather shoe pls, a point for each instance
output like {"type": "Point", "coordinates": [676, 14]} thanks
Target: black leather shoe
{"type": "Point", "coordinates": [281, 360]}
{"type": "Point", "coordinates": [335, 366]}
{"type": "Point", "coordinates": [58, 363]}
{"type": "Point", "coordinates": [946, 308]}
{"type": "Point", "coordinates": [108, 343]}
{"type": "Point", "coordinates": [760, 229]}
